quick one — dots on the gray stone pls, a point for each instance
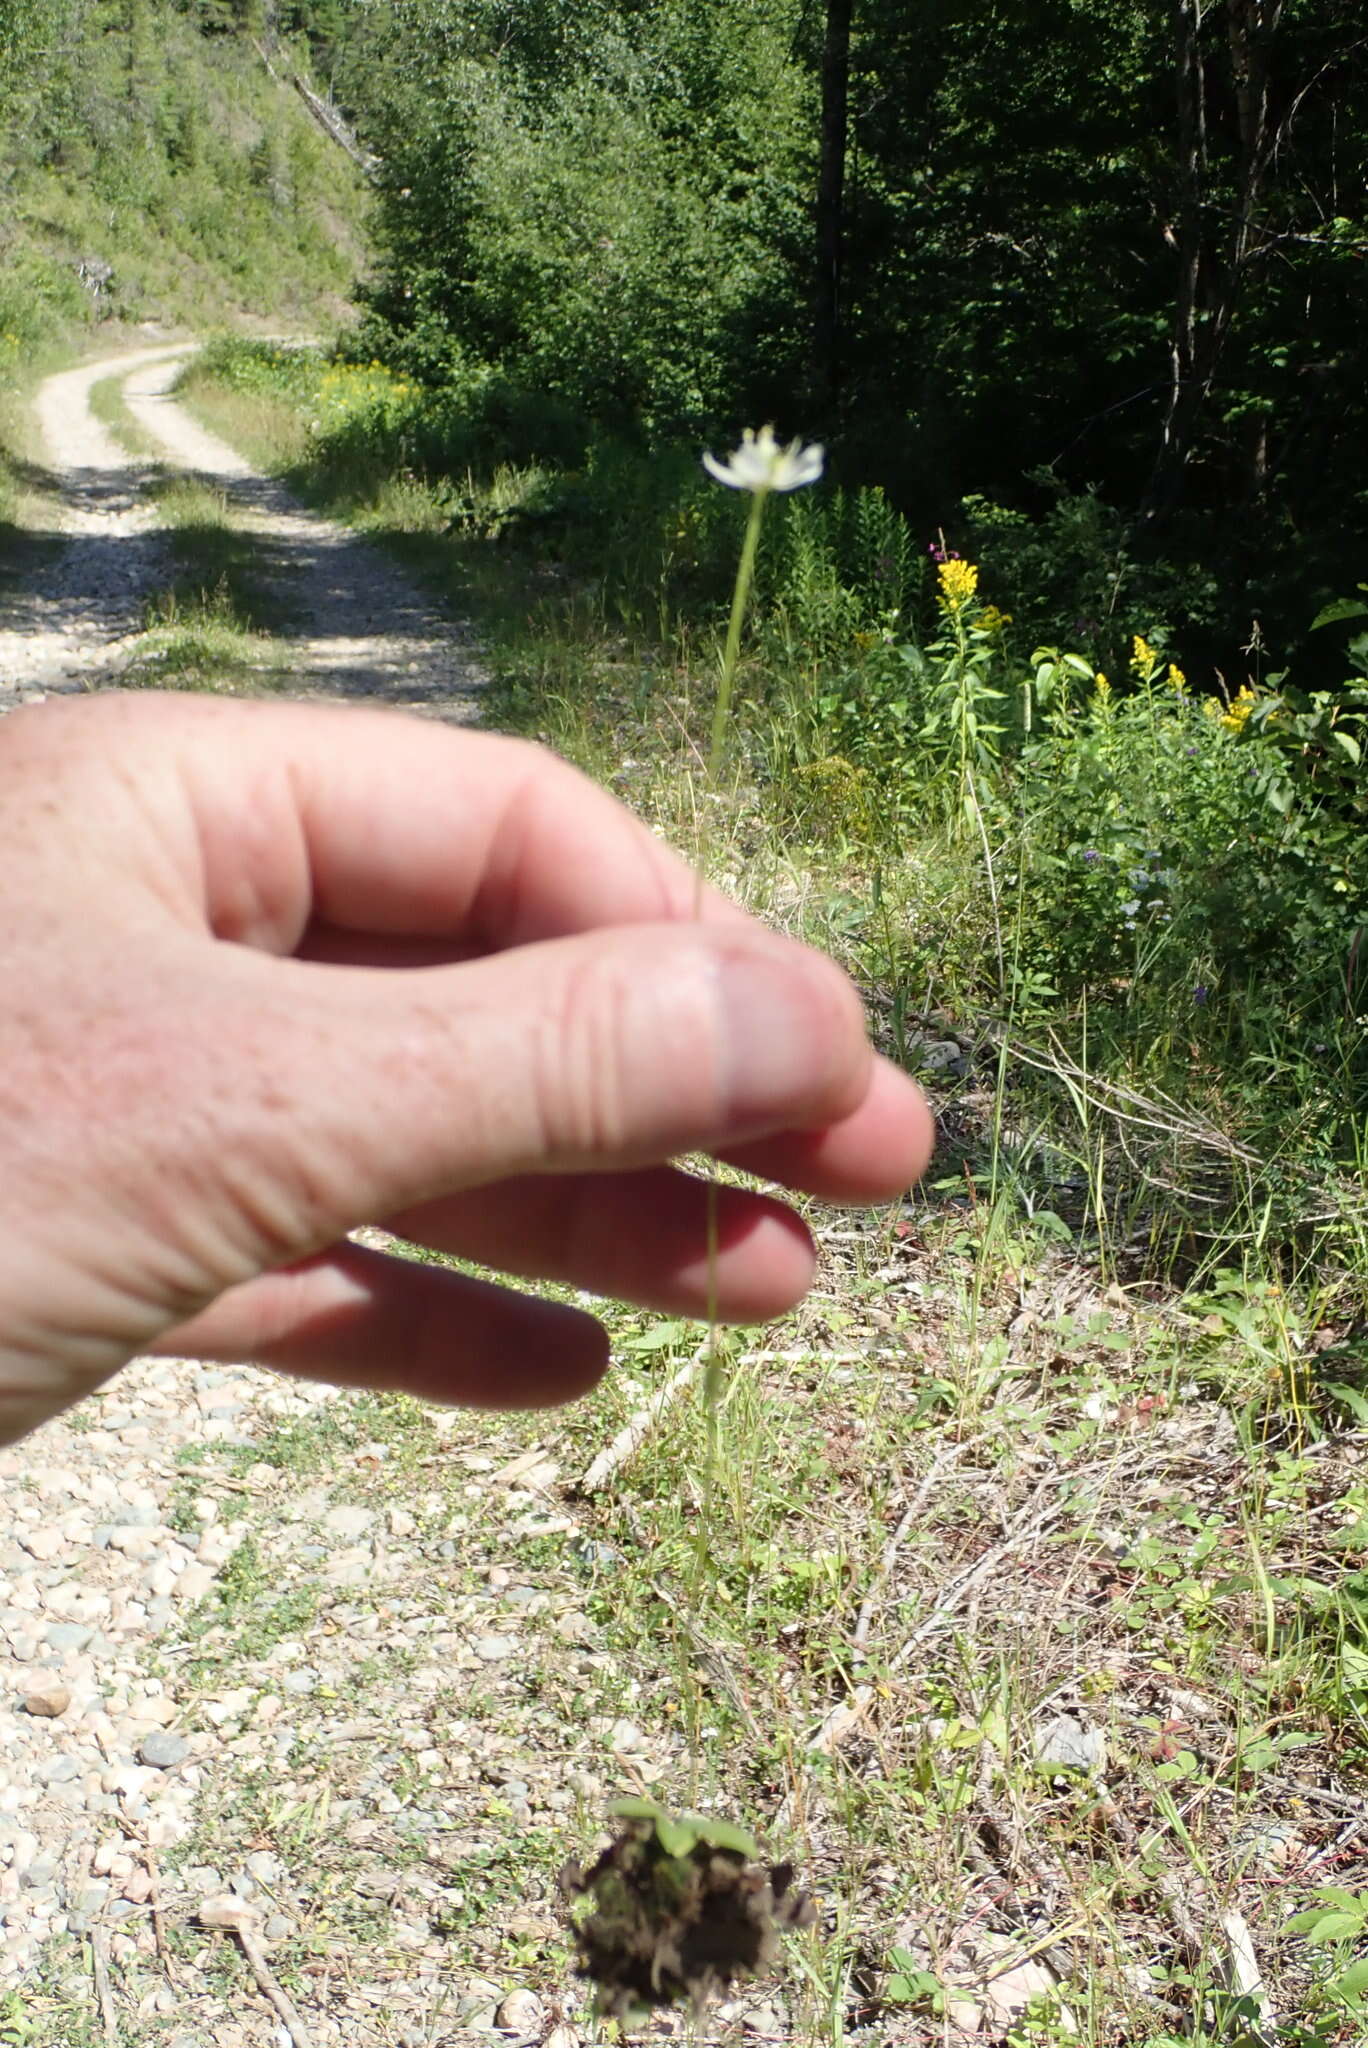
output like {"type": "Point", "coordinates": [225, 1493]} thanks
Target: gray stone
{"type": "Point", "coordinates": [491, 1648]}
{"type": "Point", "coordinates": [348, 1521]}
{"type": "Point", "coordinates": [163, 1750]}
{"type": "Point", "coordinates": [58, 1770]}
{"type": "Point", "coordinates": [68, 1635]}
{"type": "Point", "coordinates": [1066, 1744]}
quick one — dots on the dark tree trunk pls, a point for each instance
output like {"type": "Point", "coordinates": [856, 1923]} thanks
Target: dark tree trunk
{"type": "Point", "coordinates": [831, 201]}
{"type": "Point", "coordinates": [1213, 253]}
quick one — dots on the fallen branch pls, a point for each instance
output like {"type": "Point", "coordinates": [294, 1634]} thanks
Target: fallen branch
{"type": "Point", "coordinates": [864, 1621]}
{"type": "Point", "coordinates": [154, 1904]}
{"type": "Point", "coordinates": [1026, 1525]}
{"type": "Point", "coordinates": [829, 1734]}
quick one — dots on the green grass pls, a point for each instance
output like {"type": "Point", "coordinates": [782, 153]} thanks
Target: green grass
{"type": "Point", "coordinates": [109, 405]}
{"type": "Point", "coordinates": [28, 504]}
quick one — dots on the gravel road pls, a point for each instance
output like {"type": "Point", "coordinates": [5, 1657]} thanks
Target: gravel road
{"type": "Point", "coordinates": [119, 1523]}
{"type": "Point", "coordinates": [357, 627]}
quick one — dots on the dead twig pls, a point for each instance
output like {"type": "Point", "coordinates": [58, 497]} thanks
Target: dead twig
{"type": "Point", "coordinates": [154, 1905]}
{"type": "Point", "coordinates": [261, 1970]}
{"type": "Point", "coordinates": [1028, 1524]}
{"type": "Point", "coordinates": [236, 1917]}
{"type": "Point", "coordinates": [638, 1427]}
{"type": "Point", "coordinates": [843, 1718]}
{"type": "Point", "coordinates": [828, 1736]}
{"type": "Point", "coordinates": [939, 1465]}
{"type": "Point", "coordinates": [710, 1656]}
{"type": "Point", "coordinates": [99, 1963]}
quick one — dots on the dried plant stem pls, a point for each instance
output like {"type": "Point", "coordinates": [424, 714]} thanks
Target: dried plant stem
{"type": "Point", "coordinates": [272, 1989]}
{"type": "Point", "coordinates": [638, 1426]}
{"type": "Point", "coordinates": [99, 1963]}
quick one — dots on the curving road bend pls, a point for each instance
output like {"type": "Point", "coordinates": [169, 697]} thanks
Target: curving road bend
{"type": "Point", "coordinates": [358, 628]}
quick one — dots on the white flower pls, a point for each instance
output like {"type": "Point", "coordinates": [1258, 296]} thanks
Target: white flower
{"type": "Point", "coordinates": [760, 464]}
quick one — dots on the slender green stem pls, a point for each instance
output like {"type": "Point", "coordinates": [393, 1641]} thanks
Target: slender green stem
{"type": "Point", "coordinates": [717, 755]}
{"type": "Point", "coordinates": [721, 718]}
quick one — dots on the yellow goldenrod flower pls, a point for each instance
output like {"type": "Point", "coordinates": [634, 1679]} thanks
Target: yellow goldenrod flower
{"type": "Point", "coordinates": [1143, 659]}
{"type": "Point", "coordinates": [1101, 685]}
{"type": "Point", "coordinates": [992, 620]}
{"type": "Point", "coordinates": [1177, 680]}
{"type": "Point", "coordinates": [958, 583]}
{"type": "Point", "coordinates": [1236, 718]}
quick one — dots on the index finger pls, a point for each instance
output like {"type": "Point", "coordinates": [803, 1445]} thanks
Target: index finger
{"type": "Point", "coordinates": [419, 830]}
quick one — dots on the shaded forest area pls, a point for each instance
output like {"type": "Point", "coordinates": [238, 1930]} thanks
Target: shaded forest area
{"type": "Point", "coordinates": [1082, 282]}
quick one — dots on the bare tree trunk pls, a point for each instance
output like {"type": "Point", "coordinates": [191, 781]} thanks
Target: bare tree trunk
{"type": "Point", "coordinates": [1212, 256]}
{"type": "Point", "coordinates": [831, 200]}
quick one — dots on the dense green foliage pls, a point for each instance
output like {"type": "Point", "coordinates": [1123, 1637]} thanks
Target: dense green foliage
{"type": "Point", "coordinates": [1120, 254]}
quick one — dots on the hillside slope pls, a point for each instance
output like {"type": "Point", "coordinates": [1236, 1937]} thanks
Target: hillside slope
{"type": "Point", "coordinates": [157, 165]}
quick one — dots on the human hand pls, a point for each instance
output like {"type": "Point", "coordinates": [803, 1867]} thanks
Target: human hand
{"type": "Point", "coordinates": [269, 972]}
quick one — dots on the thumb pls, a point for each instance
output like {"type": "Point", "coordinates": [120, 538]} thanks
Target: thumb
{"type": "Point", "coordinates": [351, 1093]}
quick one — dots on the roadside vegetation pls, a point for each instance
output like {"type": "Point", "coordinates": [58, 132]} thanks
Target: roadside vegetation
{"type": "Point", "coordinates": [1070, 1449]}
{"type": "Point", "coordinates": [156, 171]}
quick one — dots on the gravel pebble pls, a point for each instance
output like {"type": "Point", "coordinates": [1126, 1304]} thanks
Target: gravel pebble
{"type": "Point", "coordinates": [163, 1750]}
{"type": "Point", "coordinates": [45, 1697]}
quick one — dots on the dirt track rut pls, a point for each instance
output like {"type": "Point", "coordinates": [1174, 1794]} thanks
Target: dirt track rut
{"type": "Point", "coordinates": [357, 628]}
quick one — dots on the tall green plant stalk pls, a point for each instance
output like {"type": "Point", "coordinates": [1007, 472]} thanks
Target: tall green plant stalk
{"type": "Point", "coordinates": [760, 466]}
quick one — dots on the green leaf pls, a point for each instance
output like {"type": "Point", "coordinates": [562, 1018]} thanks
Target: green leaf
{"type": "Point", "coordinates": [637, 1809]}
{"type": "Point", "coordinates": [1337, 609]}
{"type": "Point", "coordinates": [1354, 1668]}
{"type": "Point", "coordinates": [720, 1834]}
{"type": "Point", "coordinates": [1329, 1928]}
{"type": "Point", "coordinates": [1349, 1902]}
{"type": "Point", "coordinates": [1354, 1981]}
{"type": "Point", "coordinates": [1352, 1399]}
{"type": "Point", "coordinates": [1349, 744]}
{"type": "Point", "coordinates": [674, 1836]}
{"type": "Point", "coordinates": [655, 1339]}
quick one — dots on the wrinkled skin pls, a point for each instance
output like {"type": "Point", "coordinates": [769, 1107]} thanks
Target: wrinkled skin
{"type": "Point", "coordinates": [269, 972]}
